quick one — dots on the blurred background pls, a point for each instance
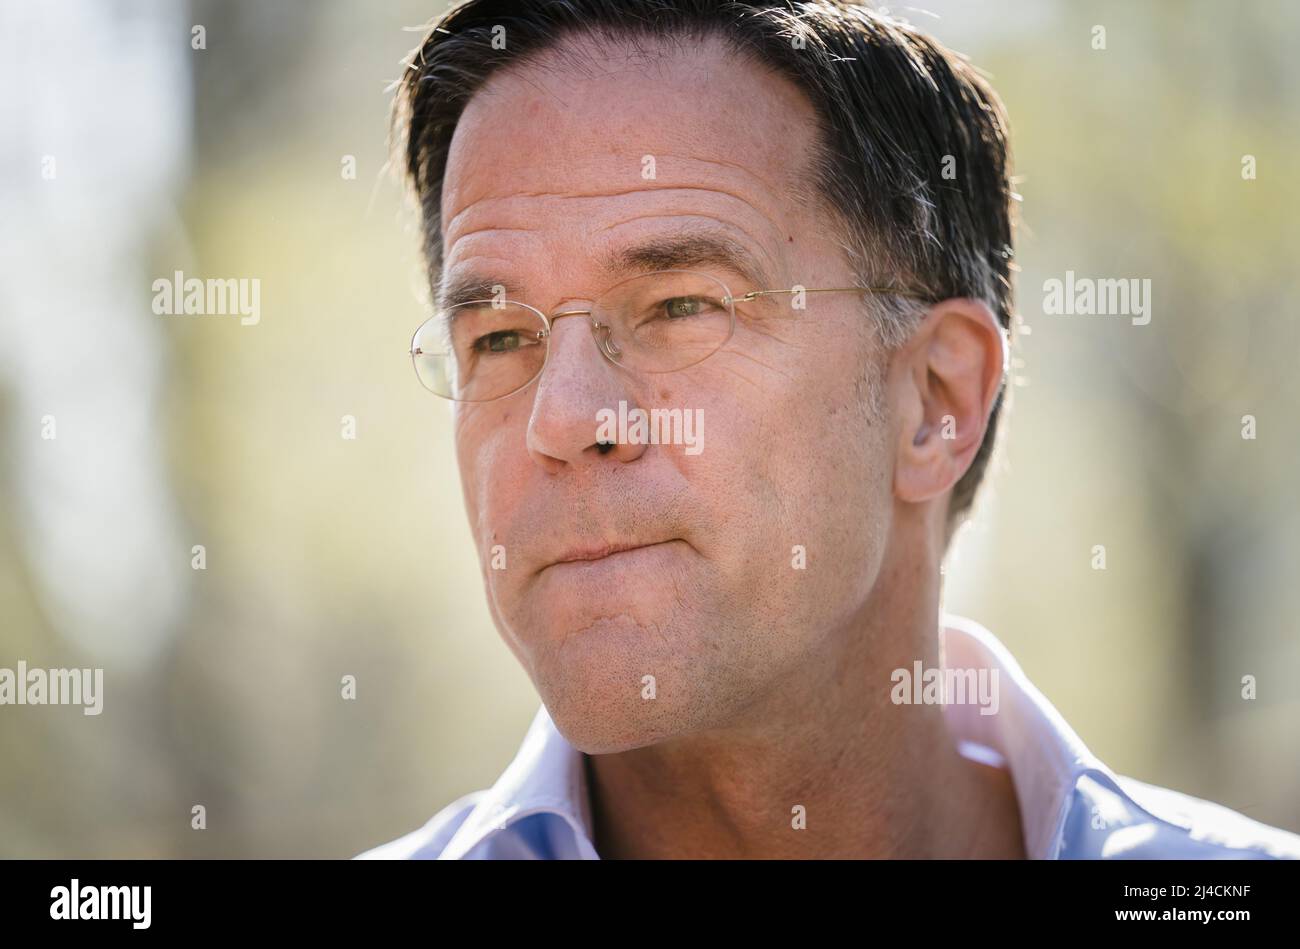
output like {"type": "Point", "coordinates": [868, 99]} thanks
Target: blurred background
{"type": "Point", "coordinates": [126, 154]}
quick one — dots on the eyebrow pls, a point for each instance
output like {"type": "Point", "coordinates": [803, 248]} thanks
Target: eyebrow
{"type": "Point", "coordinates": [685, 250]}
{"type": "Point", "coordinates": [680, 251]}
{"type": "Point", "coordinates": [469, 288]}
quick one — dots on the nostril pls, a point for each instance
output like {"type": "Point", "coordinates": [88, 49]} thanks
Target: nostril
{"type": "Point", "coordinates": [604, 447]}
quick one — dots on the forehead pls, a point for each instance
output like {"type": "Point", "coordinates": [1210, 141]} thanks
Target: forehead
{"type": "Point", "coordinates": [594, 134]}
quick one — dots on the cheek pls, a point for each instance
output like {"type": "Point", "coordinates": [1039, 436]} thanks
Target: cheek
{"type": "Point", "coordinates": [490, 455]}
{"type": "Point", "coordinates": [810, 504]}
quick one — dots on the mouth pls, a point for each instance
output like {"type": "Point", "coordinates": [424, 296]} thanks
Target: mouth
{"type": "Point", "coordinates": [598, 552]}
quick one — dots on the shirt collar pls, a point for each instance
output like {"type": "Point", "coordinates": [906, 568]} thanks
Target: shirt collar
{"type": "Point", "coordinates": [1044, 755]}
{"type": "Point", "coordinates": [547, 776]}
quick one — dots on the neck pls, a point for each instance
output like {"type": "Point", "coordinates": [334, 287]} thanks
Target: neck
{"type": "Point", "coordinates": [870, 779]}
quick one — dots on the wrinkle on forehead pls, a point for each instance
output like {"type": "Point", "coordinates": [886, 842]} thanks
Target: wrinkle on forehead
{"type": "Point", "coordinates": [515, 211]}
{"type": "Point", "coordinates": [588, 149]}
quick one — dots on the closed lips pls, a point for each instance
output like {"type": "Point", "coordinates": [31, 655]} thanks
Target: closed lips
{"type": "Point", "coordinates": [599, 552]}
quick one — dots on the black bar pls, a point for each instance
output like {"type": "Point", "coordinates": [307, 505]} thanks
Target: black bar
{"type": "Point", "coordinates": [472, 900]}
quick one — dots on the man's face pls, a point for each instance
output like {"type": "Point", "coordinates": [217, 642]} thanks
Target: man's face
{"type": "Point", "coordinates": [546, 175]}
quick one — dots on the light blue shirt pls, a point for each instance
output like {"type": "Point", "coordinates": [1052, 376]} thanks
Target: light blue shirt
{"type": "Point", "coordinates": [1071, 805]}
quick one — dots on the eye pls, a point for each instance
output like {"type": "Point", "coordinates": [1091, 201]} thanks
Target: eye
{"type": "Point", "coordinates": [503, 341]}
{"type": "Point", "coordinates": [679, 307]}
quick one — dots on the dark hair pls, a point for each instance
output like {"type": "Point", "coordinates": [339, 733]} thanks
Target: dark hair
{"type": "Point", "coordinates": [911, 163]}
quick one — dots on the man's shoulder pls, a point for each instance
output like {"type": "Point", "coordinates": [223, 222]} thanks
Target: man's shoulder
{"type": "Point", "coordinates": [429, 841]}
{"type": "Point", "coordinates": [1123, 818]}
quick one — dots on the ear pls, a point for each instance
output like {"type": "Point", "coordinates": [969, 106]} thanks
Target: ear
{"type": "Point", "coordinates": [945, 380]}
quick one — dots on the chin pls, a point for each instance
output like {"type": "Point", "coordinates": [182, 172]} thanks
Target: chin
{"type": "Point", "coordinates": [598, 734]}
{"type": "Point", "coordinates": [593, 683]}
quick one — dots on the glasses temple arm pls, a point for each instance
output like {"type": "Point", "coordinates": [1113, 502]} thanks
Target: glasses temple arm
{"type": "Point", "coordinates": [889, 290]}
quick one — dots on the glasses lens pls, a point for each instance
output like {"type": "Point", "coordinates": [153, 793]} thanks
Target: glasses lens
{"type": "Point", "coordinates": [476, 352]}
{"type": "Point", "coordinates": [661, 322]}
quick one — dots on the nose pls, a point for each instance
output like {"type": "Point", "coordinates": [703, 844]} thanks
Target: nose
{"type": "Point", "coordinates": [579, 381]}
